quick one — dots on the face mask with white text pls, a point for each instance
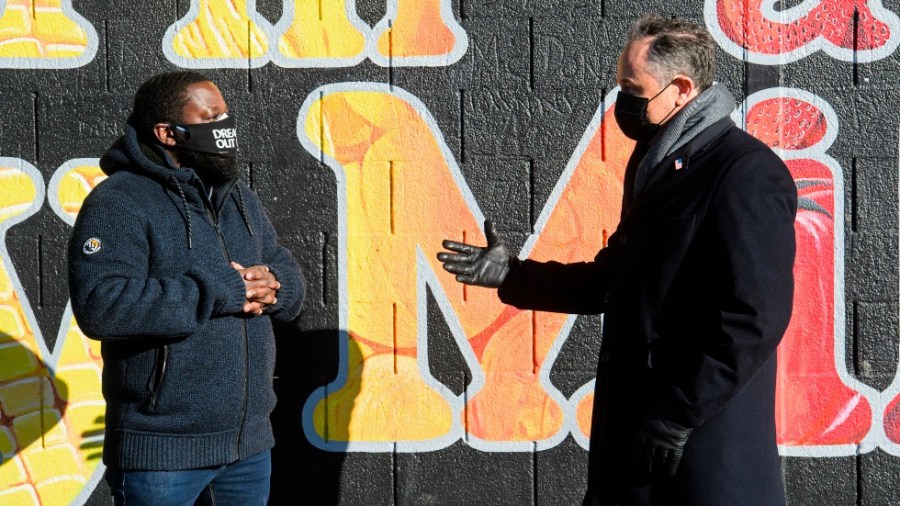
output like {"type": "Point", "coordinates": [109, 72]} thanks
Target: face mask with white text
{"type": "Point", "coordinates": [217, 137]}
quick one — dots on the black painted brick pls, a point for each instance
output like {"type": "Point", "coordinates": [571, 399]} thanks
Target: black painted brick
{"type": "Point", "coordinates": [298, 199]}
{"type": "Point", "coordinates": [462, 475]}
{"type": "Point", "coordinates": [92, 121]}
{"type": "Point", "coordinates": [878, 339]}
{"type": "Point", "coordinates": [578, 354]}
{"type": "Point", "coordinates": [871, 266]}
{"type": "Point", "coordinates": [817, 71]}
{"type": "Point", "coordinates": [502, 190]}
{"type": "Point", "coordinates": [493, 9]}
{"type": "Point", "coordinates": [286, 85]}
{"type": "Point", "coordinates": [580, 53]}
{"type": "Point", "coordinates": [527, 125]}
{"type": "Point", "coordinates": [879, 484]}
{"type": "Point", "coordinates": [561, 474]}
{"type": "Point", "coordinates": [523, 109]}
{"type": "Point", "coordinates": [17, 126]}
{"type": "Point", "coordinates": [163, 10]}
{"type": "Point", "coordinates": [868, 123]}
{"type": "Point", "coordinates": [876, 194]}
{"type": "Point", "coordinates": [636, 8]}
{"type": "Point", "coordinates": [818, 481]}
{"type": "Point", "coordinates": [367, 478]}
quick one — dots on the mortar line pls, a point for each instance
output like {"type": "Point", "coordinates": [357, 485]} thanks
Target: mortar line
{"type": "Point", "coordinates": [324, 263]}
{"type": "Point", "coordinates": [249, 57]}
{"type": "Point", "coordinates": [859, 480]}
{"type": "Point", "coordinates": [534, 474]}
{"type": "Point", "coordinates": [603, 124]}
{"type": "Point", "coordinates": [854, 192]}
{"type": "Point", "coordinates": [37, 146]}
{"type": "Point", "coordinates": [40, 259]}
{"type": "Point", "coordinates": [391, 194]}
{"type": "Point", "coordinates": [530, 54]}
{"type": "Point", "coordinates": [531, 193]}
{"type": "Point", "coordinates": [391, 54]}
{"type": "Point", "coordinates": [106, 59]}
{"type": "Point", "coordinates": [462, 126]}
{"type": "Point", "coordinates": [396, 484]}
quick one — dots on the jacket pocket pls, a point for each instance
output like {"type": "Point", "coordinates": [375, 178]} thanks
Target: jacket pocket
{"type": "Point", "coordinates": [157, 377]}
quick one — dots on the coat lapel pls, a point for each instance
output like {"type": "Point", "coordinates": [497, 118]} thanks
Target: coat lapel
{"type": "Point", "coordinates": [664, 173]}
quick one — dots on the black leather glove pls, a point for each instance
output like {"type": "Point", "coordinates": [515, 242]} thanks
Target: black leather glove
{"type": "Point", "coordinates": [658, 448]}
{"type": "Point", "coordinates": [475, 265]}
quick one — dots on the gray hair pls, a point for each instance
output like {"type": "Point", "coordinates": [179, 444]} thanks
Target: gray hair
{"type": "Point", "coordinates": [678, 47]}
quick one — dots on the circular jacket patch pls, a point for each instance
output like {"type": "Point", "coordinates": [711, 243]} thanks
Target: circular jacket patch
{"type": "Point", "coordinates": [91, 246]}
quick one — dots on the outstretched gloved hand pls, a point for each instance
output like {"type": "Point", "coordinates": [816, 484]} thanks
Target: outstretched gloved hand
{"type": "Point", "coordinates": [658, 448]}
{"type": "Point", "coordinates": [475, 265]}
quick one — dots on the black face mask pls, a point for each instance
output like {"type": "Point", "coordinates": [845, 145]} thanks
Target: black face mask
{"type": "Point", "coordinates": [215, 138]}
{"type": "Point", "coordinates": [631, 115]}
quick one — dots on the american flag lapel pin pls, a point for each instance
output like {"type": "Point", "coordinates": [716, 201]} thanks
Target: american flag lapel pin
{"type": "Point", "coordinates": [679, 164]}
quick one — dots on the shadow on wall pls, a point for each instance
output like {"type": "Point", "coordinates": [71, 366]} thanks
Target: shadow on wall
{"type": "Point", "coordinates": [302, 473]}
{"type": "Point", "coordinates": [32, 406]}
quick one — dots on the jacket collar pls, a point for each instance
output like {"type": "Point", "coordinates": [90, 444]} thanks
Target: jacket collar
{"type": "Point", "coordinates": [662, 179]}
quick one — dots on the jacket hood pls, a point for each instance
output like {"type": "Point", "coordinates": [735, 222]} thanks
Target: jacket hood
{"type": "Point", "coordinates": [128, 153]}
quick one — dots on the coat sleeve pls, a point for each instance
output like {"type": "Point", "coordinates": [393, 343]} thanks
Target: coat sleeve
{"type": "Point", "coordinates": [114, 296]}
{"type": "Point", "coordinates": [575, 288]}
{"type": "Point", "coordinates": [282, 264]}
{"type": "Point", "coordinates": [752, 221]}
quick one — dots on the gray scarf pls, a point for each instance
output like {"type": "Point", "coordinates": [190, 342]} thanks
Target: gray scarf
{"type": "Point", "coordinates": [713, 104]}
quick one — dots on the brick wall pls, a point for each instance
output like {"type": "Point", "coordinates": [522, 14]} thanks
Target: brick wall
{"type": "Point", "coordinates": [396, 385]}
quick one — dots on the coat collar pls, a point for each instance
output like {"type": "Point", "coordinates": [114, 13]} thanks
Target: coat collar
{"type": "Point", "coordinates": [663, 179]}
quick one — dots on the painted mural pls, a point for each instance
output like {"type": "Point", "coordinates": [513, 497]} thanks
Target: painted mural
{"type": "Point", "coordinates": [314, 33]}
{"type": "Point", "coordinates": [51, 405]}
{"type": "Point", "coordinates": [759, 31]}
{"type": "Point", "coordinates": [395, 209]}
{"type": "Point", "coordinates": [891, 396]}
{"type": "Point", "coordinates": [400, 192]}
{"type": "Point", "coordinates": [44, 34]}
{"type": "Point", "coordinates": [820, 409]}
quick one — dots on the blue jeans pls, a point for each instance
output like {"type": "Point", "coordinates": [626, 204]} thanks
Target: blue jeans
{"type": "Point", "coordinates": [241, 483]}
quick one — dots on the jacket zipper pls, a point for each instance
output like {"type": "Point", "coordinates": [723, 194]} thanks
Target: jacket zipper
{"type": "Point", "coordinates": [159, 375]}
{"type": "Point", "coordinates": [214, 216]}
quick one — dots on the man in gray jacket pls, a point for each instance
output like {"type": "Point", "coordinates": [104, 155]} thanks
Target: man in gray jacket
{"type": "Point", "coordinates": [157, 273]}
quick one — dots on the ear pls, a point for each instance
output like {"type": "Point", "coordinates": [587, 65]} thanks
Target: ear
{"type": "Point", "coordinates": [165, 134]}
{"type": "Point", "coordinates": [687, 90]}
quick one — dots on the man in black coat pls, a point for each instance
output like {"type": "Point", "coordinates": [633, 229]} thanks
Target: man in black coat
{"type": "Point", "coordinates": [696, 286]}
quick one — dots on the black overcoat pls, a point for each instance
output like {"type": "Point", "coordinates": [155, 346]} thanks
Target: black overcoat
{"type": "Point", "coordinates": [696, 287]}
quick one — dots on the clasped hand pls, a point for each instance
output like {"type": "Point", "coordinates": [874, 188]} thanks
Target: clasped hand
{"type": "Point", "coordinates": [261, 285]}
{"type": "Point", "coordinates": [475, 265]}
